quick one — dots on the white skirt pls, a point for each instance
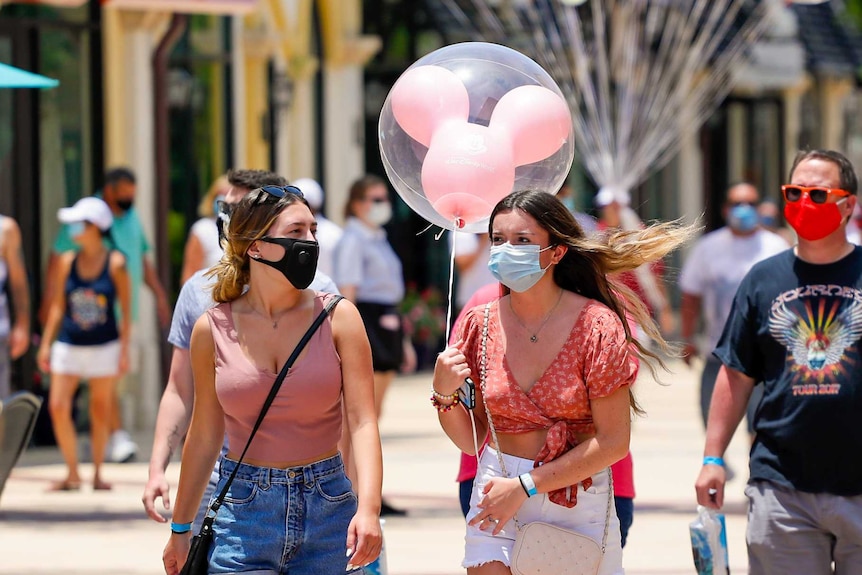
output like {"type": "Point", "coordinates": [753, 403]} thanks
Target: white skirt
{"type": "Point", "coordinates": [86, 361]}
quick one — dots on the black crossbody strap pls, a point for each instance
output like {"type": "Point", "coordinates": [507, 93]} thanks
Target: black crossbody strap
{"type": "Point", "coordinates": [269, 399]}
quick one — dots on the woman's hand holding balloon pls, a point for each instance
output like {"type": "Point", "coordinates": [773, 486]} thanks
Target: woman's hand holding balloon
{"type": "Point", "coordinates": [450, 370]}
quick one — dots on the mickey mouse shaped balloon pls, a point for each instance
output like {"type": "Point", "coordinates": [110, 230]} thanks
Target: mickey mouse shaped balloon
{"type": "Point", "coordinates": [468, 124]}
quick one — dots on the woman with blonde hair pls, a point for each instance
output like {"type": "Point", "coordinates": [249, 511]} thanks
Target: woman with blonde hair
{"type": "Point", "coordinates": [202, 249]}
{"type": "Point", "coordinates": [291, 507]}
{"type": "Point", "coordinates": [553, 361]}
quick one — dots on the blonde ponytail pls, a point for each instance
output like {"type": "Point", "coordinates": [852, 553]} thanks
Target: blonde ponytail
{"type": "Point", "coordinates": [231, 274]}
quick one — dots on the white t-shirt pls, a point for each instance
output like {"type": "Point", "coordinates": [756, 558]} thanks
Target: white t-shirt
{"type": "Point", "coordinates": [206, 232]}
{"type": "Point", "coordinates": [715, 268]}
{"type": "Point", "coordinates": [328, 234]}
{"type": "Point", "coordinates": [476, 276]}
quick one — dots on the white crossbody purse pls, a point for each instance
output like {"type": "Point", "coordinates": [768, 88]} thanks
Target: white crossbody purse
{"type": "Point", "coordinates": [541, 548]}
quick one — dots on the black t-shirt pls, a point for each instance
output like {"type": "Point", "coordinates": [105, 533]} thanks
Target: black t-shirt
{"type": "Point", "coordinates": [796, 327]}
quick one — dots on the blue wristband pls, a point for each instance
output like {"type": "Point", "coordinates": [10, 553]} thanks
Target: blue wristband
{"type": "Point", "coordinates": [710, 460]}
{"type": "Point", "coordinates": [180, 527]}
{"type": "Point", "coordinates": [528, 484]}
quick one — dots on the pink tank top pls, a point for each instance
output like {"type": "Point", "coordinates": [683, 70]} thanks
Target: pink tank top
{"type": "Point", "coordinates": [304, 419]}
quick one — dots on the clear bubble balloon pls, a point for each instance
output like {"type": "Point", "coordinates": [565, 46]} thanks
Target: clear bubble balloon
{"type": "Point", "coordinates": [469, 123]}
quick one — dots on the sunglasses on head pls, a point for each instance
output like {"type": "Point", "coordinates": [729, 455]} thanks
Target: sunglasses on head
{"type": "Point", "coordinates": [818, 194]}
{"type": "Point", "coordinates": [280, 192]}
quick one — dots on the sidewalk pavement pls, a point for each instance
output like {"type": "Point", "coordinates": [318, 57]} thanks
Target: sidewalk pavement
{"type": "Point", "coordinates": [97, 533]}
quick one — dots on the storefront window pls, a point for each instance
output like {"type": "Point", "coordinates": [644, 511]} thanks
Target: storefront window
{"type": "Point", "coordinates": [200, 122]}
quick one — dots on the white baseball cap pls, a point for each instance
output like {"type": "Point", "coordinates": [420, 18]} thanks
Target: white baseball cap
{"type": "Point", "coordinates": [311, 190]}
{"type": "Point", "coordinates": [610, 194]}
{"type": "Point", "coordinates": [90, 209]}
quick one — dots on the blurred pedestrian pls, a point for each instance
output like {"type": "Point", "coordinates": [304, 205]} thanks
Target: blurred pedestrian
{"type": "Point", "coordinates": [127, 236]}
{"type": "Point", "coordinates": [588, 223]}
{"type": "Point", "coordinates": [795, 326]}
{"type": "Point", "coordinates": [92, 343]}
{"type": "Point", "coordinates": [202, 249]}
{"type": "Point", "coordinates": [175, 408]}
{"type": "Point", "coordinates": [290, 492]}
{"type": "Point", "coordinates": [328, 232]}
{"type": "Point", "coordinates": [647, 281]}
{"type": "Point", "coordinates": [471, 263]}
{"type": "Point", "coordinates": [14, 336]}
{"type": "Point", "coordinates": [767, 213]}
{"type": "Point", "coordinates": [557, 369]}
{"type": "Point", "coordinates": [711, 275]}
{"type": "Point", "coordinates": [368, 273]}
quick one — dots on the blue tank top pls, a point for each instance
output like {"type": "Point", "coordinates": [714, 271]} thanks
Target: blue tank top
{"type": "Point", "coordinates": [90, 318]}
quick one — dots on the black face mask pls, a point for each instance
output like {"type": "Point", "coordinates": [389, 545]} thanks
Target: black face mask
{"type": "Point", "coordinates": [125, 205]}
{"type": "Point", "coordinates": [299, 262]}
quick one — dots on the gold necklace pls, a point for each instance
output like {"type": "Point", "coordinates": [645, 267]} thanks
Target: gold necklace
{"type": "Point", "coordinates": [535, 336]}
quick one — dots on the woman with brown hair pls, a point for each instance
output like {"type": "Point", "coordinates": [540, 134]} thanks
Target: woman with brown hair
{"type": "Point", "coordinates": [291, 507]}
{"type": "Point", "coordinates": [553, 366]}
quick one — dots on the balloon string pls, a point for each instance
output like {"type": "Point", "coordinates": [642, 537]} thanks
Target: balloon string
{"type": "Point", "coordinates": [419, 233]}
{"type": "Point", "coordinates": [450, 299]}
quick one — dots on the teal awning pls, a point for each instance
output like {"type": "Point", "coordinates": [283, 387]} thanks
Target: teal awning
{"type": "Point", "coordinates": [12, 77]}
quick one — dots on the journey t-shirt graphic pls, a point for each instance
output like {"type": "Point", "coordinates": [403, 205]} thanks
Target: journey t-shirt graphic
{"type": "Point", "coordinates": [795, 328]}
{"type": "Point", "coordinates": [819, 325]}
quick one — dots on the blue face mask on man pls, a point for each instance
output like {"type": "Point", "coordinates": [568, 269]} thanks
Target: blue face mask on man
{"type": "Point", "coordinates": [743, 218]}
{"type": "Point", "coordinates": [517, 267]}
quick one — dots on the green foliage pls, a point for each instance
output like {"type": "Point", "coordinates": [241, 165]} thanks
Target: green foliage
{"type": "Point", "coordinates": [424, 315]}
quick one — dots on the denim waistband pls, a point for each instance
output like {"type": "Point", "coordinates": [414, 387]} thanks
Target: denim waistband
{"type": "Point", "coordinates": [266, 475]}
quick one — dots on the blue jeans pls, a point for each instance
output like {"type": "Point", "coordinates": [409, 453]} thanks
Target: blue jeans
{"type": "Point", "coordinates": [284, 520]}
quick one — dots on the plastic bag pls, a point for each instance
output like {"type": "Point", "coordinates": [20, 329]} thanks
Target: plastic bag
{"type": "Point", "coordinates": [709, 542]}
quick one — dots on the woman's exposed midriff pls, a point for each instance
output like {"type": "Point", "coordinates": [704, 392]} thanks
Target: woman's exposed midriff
{"type": "Point", "coordinates": [283, 464]}
{"type": "Point", "coordinates": [527, 444]}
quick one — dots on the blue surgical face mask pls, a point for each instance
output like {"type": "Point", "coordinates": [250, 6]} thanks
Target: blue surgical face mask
{"type": "Point", "coordinates": [517, 267]}
{"type": "Point", "coordinates": [76, 229]}
{"type": "Point", "coordinates": [743, 218]}
{"type": "Point", "coordinates": [768, 221]}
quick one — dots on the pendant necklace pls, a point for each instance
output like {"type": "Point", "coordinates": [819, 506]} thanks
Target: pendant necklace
{"type": "Point", "coordinates": [535, 335]}
{"type": "Point", "coordinates": [274, 321]}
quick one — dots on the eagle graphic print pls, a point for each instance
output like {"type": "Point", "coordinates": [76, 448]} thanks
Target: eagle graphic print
{"type": "Point", "coordinates": [818, 325]}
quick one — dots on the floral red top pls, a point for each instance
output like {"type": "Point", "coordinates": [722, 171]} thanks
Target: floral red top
{"type": "Point", "coordinates": [593, 362]}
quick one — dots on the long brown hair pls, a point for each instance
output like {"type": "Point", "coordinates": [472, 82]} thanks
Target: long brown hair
{"type": "Point", "coordinates": [251, 219]}
{"type": "Point", "coordinates": [585, 267]}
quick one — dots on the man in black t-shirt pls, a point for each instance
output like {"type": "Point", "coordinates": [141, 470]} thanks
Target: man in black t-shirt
{"type": "Point", "coordinates": [796, 325]}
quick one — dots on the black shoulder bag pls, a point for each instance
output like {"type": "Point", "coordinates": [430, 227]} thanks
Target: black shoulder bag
{"type": "Point", "coordinates": [197, 562]}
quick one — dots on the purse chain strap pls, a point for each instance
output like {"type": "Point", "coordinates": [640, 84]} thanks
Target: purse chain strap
{"type": "Point", "coordinates": [483, 361]}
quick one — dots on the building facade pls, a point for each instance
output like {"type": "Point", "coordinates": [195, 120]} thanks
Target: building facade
{"type": "Point", "coordinates": [179, 91]}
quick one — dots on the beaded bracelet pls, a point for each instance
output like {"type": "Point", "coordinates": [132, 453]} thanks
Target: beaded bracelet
{"type": "Point", "coordinates": [443, 397]}
{"type": "Point", "coordinates": [444, 407]}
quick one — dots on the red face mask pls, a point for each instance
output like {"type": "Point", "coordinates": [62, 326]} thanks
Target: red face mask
{"type": "Point", "coordinates": [812, 221]}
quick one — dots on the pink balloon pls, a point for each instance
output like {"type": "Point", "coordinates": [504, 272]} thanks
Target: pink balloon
{"type": "Point", "coordinates": [467, 170]}
{"type": "Point", "coordinates": [536, 119]}
{"type": "Point", "coordinates": [425, 97]}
